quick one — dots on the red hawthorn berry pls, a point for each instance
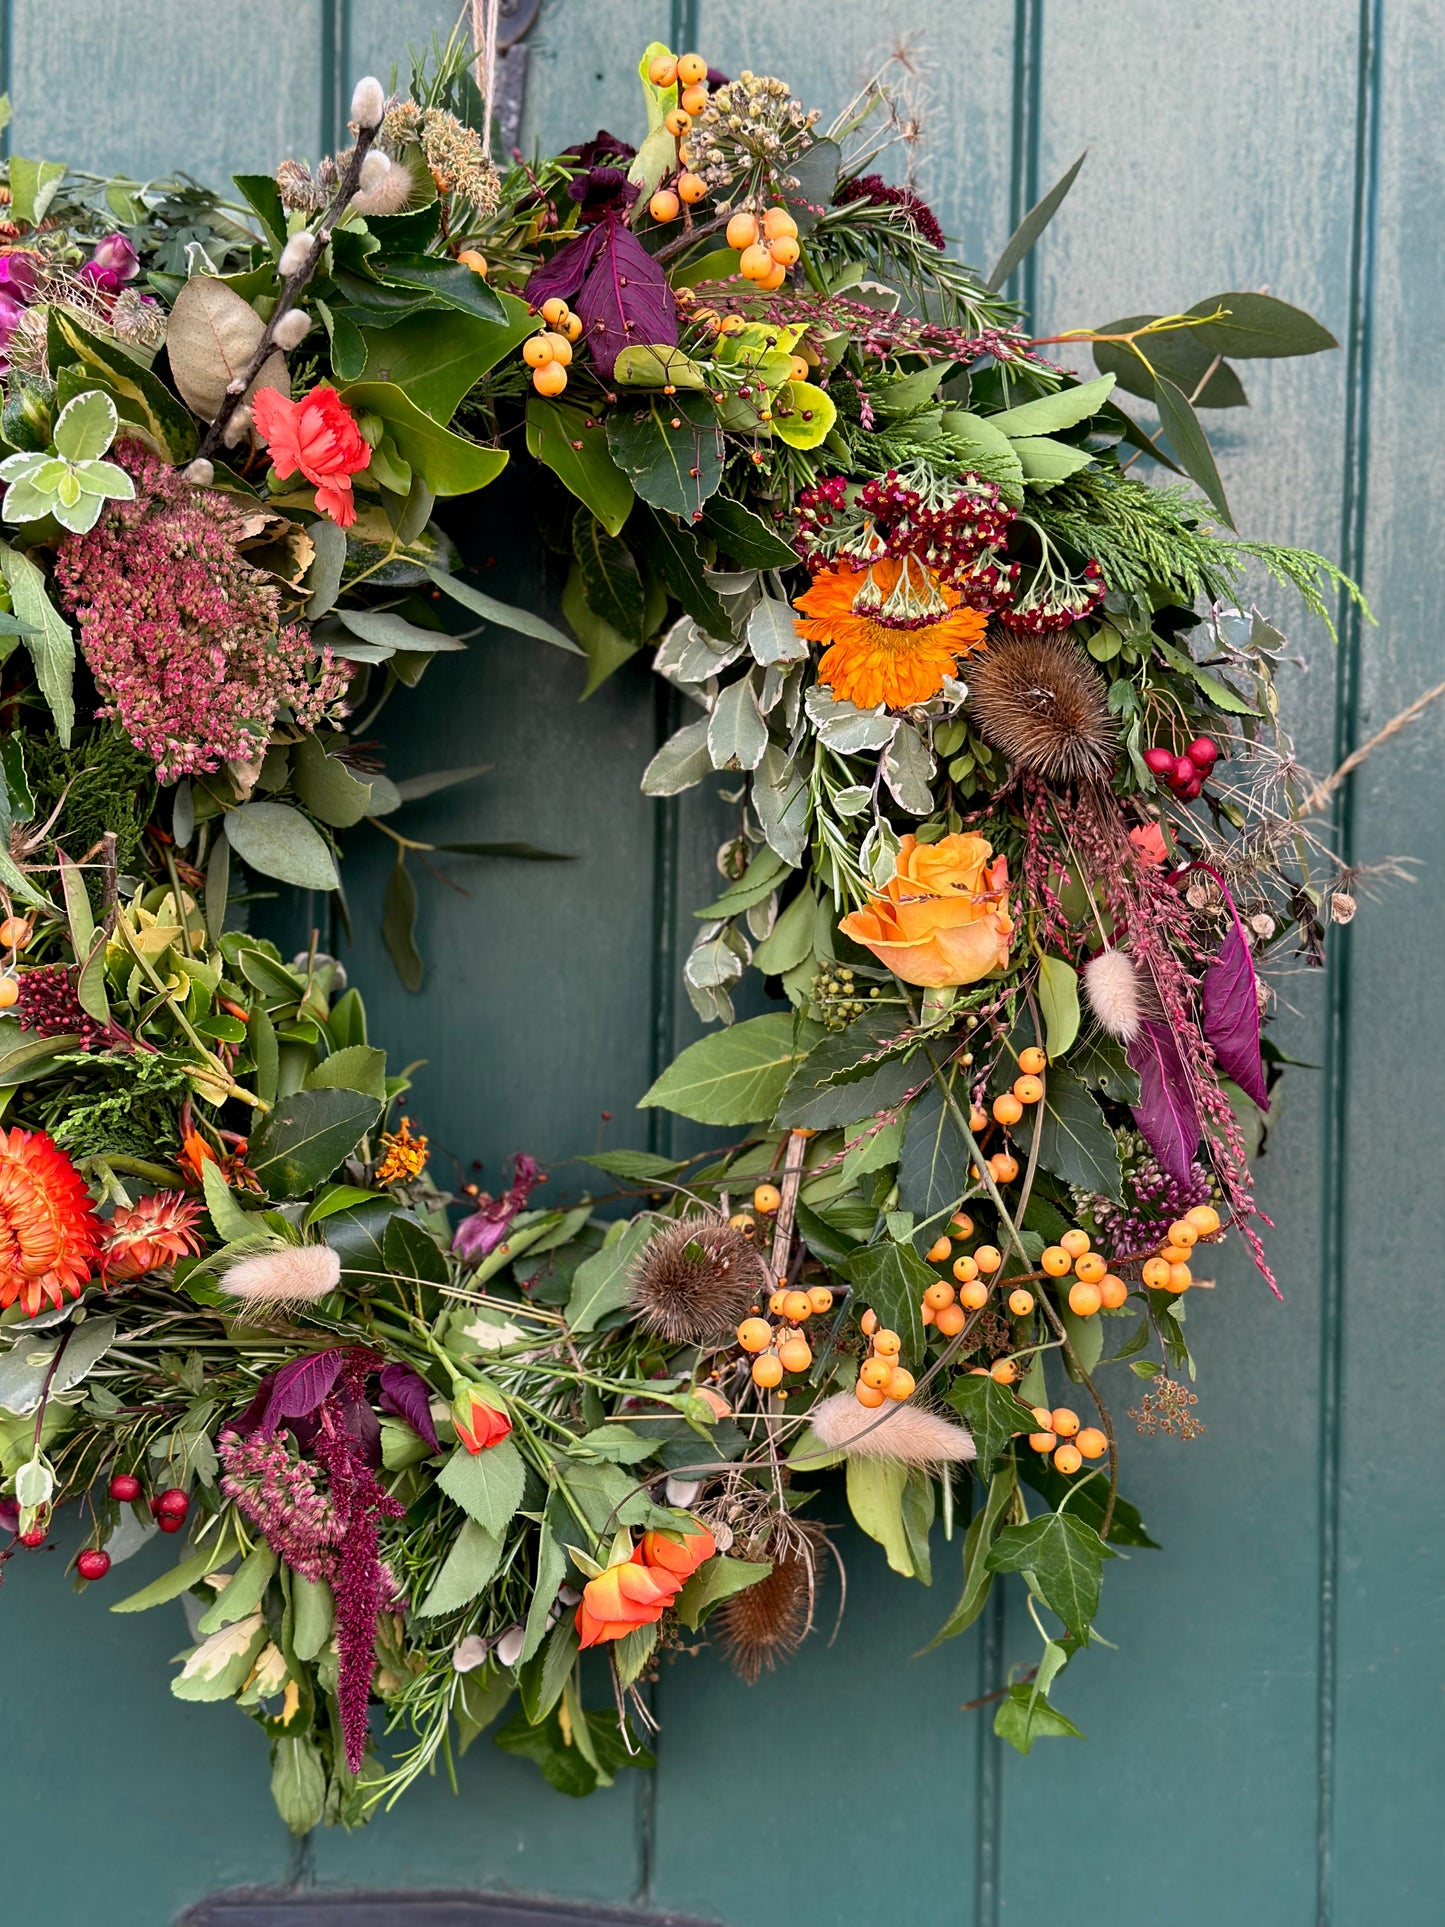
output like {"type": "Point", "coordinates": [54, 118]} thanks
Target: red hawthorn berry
{"type": "Point", "coordinates": [93, 1564]}
{"type": "Point", "coordinates": [172, 1504]}
{"type": "Point", "coordinates": [168, 1523]}
{"type": "Point", "coordinates": [1185, 773]}
{"type": "Point", "coordinates": [34, 1537]}
{"type": "Point", "coordinates": [1203, 752]}
{"type": "Point", "coordinates": [1159, 761]}
{"type": "Point", "coordinates": [125, 1486]}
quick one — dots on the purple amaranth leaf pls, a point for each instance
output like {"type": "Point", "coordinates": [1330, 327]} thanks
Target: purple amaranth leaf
{"type": "Point", "coordinates": [1229, 1005]}
{"type": "Point", "coordinates": [299, 1388]}
{"type": "Point", "coordinates": [406, 1393]}
{"type": "Point", "coordinates": [625, 301]}
{"type": "Point", "coordinates": [564, 274]}
{"type": "Point", "coordinates": [1166, 1112]}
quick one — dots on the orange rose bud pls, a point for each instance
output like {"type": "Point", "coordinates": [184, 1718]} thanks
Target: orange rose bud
{"type": "Point", "coordinates": [679, 1557]}
{"type": "Point", "coordinates": [623, 1598]}
{"type": "Point", "coordinates": [478, 1423]}
{"type": "Point", "coordinates": [943, 917]}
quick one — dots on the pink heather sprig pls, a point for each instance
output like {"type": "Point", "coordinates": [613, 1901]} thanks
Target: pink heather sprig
{"type": "Point", "coordinates": [283, 1501]}
{"type": "Point", "coordinates": [183, 636]}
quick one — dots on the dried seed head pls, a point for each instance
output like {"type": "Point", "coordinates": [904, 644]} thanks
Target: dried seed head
{"type": "Point", "coordinates": [907, 1432]}
{"type": "Point", "coordinates": [696, 1278]}
{"type": "Point", "coordinates": [1040, 700]}
{"type": "Point", "coordinates": [292, 1275]}
{"type": "Point", "coordinates": [768, 1622]}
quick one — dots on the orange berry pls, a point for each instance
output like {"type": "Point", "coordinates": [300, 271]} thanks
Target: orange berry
{"type": "Point", "coordinates": [785, 248]}
{"type": "Point", "coordinates": [952, 1319]}
{"type": "Point", "coordinates": [900, 1386]}
{"type": "Point", "coordinates": [773, 279]}
{"type": "Point", "coordinates": [15, 933]}
{"type": "Point", "coordinates": [1085, 1300]}
{"type": "Point", "coordinates": [926, 1316]}
{"type": "Point", "coordinates": [554, 311]}
{"type": "Point", "coordinates": [876, 1372]}
{"type": "Point", "coordinates": [1003, 1371]}
{"type": "Point", "coordinates": [691, 68]}
{"type": "Point", "coordinates": [768, 1371]}
{"type": "Point", "coordinates": [742, 231]}
{"type": "Point", "coordinates": [1032, 1060]}
{"type": "Point", "coordinates": [1203, 1217]}
{"type": "Point", "coordinates": [767, 1198]}
{"type": "Point", "coordinates": [664, 205]}
{"type": "Point", "coordinates": [1092, 1443]}
{"type": "Point", "coordinates": [961, 1224]}
{"type": "Point", "coordinates": [1156, 1273]}
{"type": "Point", "coordinates": [1063, 1421]}
{"type": "Point", "coordinates": [549, 380]}
{"type": "Point", "coordinates": [1113, 1291]}
{"type": "Point", "coordinates": [561, 348]}
{"type": "Point", "coordinates": [987, 1257]}
{"type": "Point", "coordinates": [1042, 1441]}
{"type": "Point", "coordinates": [977, 1120]}
{"type": "Point", "coordinates": [755, 263]}
{"type": "Point", "coordinates": [868, 1323]}
{"type": "Point", "coordinates": [777, 222]}
{"type": "Point", "coordinates": [9, 993]}
{"type": "Point", "coordinates": [887, 1343]}
{"type": "Point", "coordinates": [1176, 1254]}
{"type": "Point", "coordinates": [692, 100]}
{"type": "Point", "coordinates": [662, 70]}
{"type": "Point", "coordinates": [1090, 1267]}
{"type": "Point", "coordinates": [572, 328]}
{"type": "Point", "coordinates": [1043, 1417]}
{"type": "Point", "coordinates": [1075, 1242]}
{"type": "Point", "coordinates": [965, 1269]}
{"type": "Point", "coordinates": [974, 1297]}
{"type": "Point", "coordinates": [1055, 1261]}
{"type": "Point", "coordinates": [798, 369]}
{"type": "Point", "coordinates": [1007, 1109]}
{"type": "Point", "coordinates": [796, 1354]}
{"type": "Point", "coordinates": [869, 1395]}
{"type": "Point", "coordinates": [796, 1307]}
{"type": "Point", "coordinates": [691, 187]}
{"type": "Point", "coordinates": [537, 351]}
{"type": "Point", "coordinates": [776, 1303]}
{"type": "Point", "coordinates": [940, 1251]}
{"type": "Point", "coordinates": [820, 1299]}
{"type": "Point", "coordinates": [755, 1334]}
{"type": "Point", "coordinates": [1028, 1090]}
{"type": "Point", "coordinates": [677, 122]}
{"type": "Point", "coordinates": [938, 1297]}
{"type": "Point", "coordinates": [1003, 1168]}
{"type": "Point", "coordinates": [1183, 1233]}
{"type": "Point", "coordinates": [469, 258]}
{"type": "Point", "coordinates": [1067, 1459]}
{"type": "Point", "coordinates": [1020, 1302]}
{"type": "Point", "coordinates": [1180, 1279]}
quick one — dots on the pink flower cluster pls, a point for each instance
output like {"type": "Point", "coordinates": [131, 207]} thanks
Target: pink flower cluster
{"type": "Point", "coordinates": [183, 636]}
{"type": "Point", "coordinates": [282, 1499]}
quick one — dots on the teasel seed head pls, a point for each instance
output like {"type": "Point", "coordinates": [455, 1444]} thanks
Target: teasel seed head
{"type": "Point", "coordinates": [1041, 701]}
{"type": "Point", "coordinates": [696, 1278]}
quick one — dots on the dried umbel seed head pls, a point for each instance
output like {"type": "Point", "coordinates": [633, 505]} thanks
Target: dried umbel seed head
{"type": "Point", "coordinates": [1040, 700]}
{"type": "Point", "coordinates": [696, 1279]}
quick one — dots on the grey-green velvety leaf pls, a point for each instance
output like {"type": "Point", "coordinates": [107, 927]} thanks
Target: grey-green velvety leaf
{"type": "Point", "coordinates": [736, 733]}
{"type": "Point", "coordinates": [683, 760]}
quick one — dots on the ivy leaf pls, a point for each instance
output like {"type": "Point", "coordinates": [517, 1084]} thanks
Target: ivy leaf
{"type": "Point", "coordinates": [1026, 1715]}
{"type": "Point", "coordinates": [992, 1414]}
{"type": "Point", "coordinates": [1065, 1557]}
{"type": "Point", "coordinates": [977, 1544]}
{"type": "Point", "coordinates": [933, 1161]}
{"type": "Point", "coordinates": [610, 578]}
{"type": "Point", "coordinates": [892, 1278]}
{"type": "Point", "coordinates": [1074, 1141]}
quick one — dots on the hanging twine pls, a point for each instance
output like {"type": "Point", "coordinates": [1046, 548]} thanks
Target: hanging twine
{"type": "Point", "coordinates": [485, 14]}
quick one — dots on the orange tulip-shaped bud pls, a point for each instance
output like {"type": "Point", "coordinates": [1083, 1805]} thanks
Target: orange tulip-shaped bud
{"type": "Point", "coordinates": [622, 1598]}
{"type": "Point", "coordinates": [681, 1557]}
{"type": "Point", "coordinates": [478, 1423]}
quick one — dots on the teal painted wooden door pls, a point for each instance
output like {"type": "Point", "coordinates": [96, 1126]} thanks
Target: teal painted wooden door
{"type": "Point", "coordinates": [1266, 1745]}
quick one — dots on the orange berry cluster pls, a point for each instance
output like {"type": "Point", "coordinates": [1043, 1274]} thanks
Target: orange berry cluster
{"type": "Point", "coordinates": [1060, 1433]}
{"type": "Point", "coordinates": [548, 353]}
{"type": "Point", "coordinates": [1008, 1107]}
{"type": "Point", "coordinates": [688, 73]}
{"type": "Point", "coordinates": [783, 1348]}
{"type": "Point", "coordinates": [15, 934]}
{"type": "Point", "coordinates": [1169, 1269]}
{"type": "Point", "coordinates": [881, 1377]}
{"type": "Point", "coordinates": [767, 245]}
{"type": "Point", "coordinates": [1095, 1286]}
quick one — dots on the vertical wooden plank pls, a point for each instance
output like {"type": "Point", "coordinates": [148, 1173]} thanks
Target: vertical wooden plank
{"type": "Point", "coordinates": [381, 34]}
{"type": "Point", "coordinates": [1173, 205]}
{"type": "Point", "coordinates": [583, 70]}
{"type": "Point", "coordinates": [154, 86]}
{"type": "Point", "coordinates": [1389, 1755]}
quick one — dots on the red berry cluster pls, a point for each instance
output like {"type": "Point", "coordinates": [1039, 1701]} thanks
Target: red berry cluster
{"type": "Point", "coordinates": [1185, 774]}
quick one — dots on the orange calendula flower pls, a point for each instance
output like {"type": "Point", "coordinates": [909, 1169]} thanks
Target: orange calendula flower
{"type": "Point", "coordinates": [49, 1233]}
{"type": "Point", "coordinates": [152, 1232]}
{"type": "Point", "coordinates": [893, 631]}
{"type": "Point", "coordinates": [943, 918]}
{"type": "Point", "coordinates": [680, 1557]}
{"type": "Point", "coordinates": [624, 1597]}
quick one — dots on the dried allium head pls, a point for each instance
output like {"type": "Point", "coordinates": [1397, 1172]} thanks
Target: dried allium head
{"type": "Point", "coordinates": [696, 1278]}
{"type": "Point", "coordinates": [1040, 700]}
{"type": "Point", "coordinates": [768, 1622]}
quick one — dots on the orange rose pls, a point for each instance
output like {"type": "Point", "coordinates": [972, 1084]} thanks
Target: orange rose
{"type": "Point", "coordinates": [478, 1423]}
{"type": "Point", "coordinates": [943, 919]}
{"type": "Point", "coordinates": [622, 1598]}
{"type": "Point", "coordinates": [681, 1557]}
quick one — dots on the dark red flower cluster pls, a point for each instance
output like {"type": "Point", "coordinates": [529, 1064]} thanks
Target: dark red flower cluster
{"type": "Point", "coordinates": [1053, 602]}
{"type": "Point", "coordinates": [958, 532]}
{"type": "Point", "coordinates": [875, 190]}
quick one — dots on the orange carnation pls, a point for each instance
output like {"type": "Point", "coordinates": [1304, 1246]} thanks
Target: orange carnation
{"type": "Point", "coordinates": [943, 918]}
{"type": "Point", "coordinates": [49, 1233]}
{"type": "Point", "coordinates": [622, 1598]}
{"type": "Point", "coordinates": [681, 1557]}
{"type": "Point", "coordinates": [318, 435]}
{"type": "Point", "coordinates": [895, 631]}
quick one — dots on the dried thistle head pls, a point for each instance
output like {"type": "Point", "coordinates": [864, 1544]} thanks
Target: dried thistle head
{"type": "Point", "coordinates": [767, 1623]}
{"type": "Point", "coordinates": [1041, 701]}
{"type": "Point", "coordinates": [696, 1278]}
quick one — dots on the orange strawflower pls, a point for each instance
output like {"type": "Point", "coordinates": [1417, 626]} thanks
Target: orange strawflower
{"type": "Point", "coordinates": [154, 1231]}
{"type": "Point", "coordinates": [49, 1233]}
{"type": "Point", "coordinates": [622, 1598]}
{"type": "Point", "coordinates": [894, 632]}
